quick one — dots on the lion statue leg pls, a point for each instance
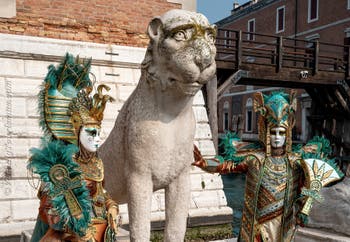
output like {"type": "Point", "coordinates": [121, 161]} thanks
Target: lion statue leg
{"type": "Point", "coordinates": [139, 206]}
{"type": "Point", "coordinates": [177, 200]}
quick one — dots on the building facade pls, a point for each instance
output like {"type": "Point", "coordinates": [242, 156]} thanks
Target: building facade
{"type": "Point", "coordinates": [35, 34]}
{"type": "Point", "coordinates": [308, 20]}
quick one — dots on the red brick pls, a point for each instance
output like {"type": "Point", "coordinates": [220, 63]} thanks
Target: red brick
{"type": "Point", "coordinates": [86, 20]}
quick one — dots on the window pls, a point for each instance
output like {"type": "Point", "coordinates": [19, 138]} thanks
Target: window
{"type": "Point", "coordinates": [227, 40]}
{"type": "Point", "coordinates": [280, 17]}
{"type": "Point", "coordinates": [7, 8]}
{"type": "Point", "coordinates": [347, 32]}
{"type": "Point", "coordinates": [251, 29]}
{"type": "Point", "coordinates": [312, 11]}
{"type": "Point", "coordinates": [347, 36]}
{"type": "Point", "coordinates": [235, 123]}
{"type": "Point", "coordinates": [249, 115]}
{"type": "Point", "coordinates": [225, 118]}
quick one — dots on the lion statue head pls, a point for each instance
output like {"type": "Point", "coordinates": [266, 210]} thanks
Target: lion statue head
{"type": "Point", "coordinates": [181, 52]}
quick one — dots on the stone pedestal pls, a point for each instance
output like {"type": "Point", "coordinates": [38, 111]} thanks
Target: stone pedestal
{"type": "Point", "coordinates": [123, 235]}
{"type": "Point", "coordinates": [318, 235]}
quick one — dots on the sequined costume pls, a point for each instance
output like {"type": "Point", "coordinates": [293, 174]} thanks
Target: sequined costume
{"type": "Point", "coordinates": [73, 204]}
{"type": "Point", "coordinates": [272, 186]}
{"type": "Point", "coordinates": [274, 175]}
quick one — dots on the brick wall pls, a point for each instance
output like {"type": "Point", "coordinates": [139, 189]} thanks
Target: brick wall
{"type": "Point", "coordinates": [332, 25]}
{"type": "Point", "coordinates": [120, 22]}
{"type": "Point", "coordinates": [329, 27]}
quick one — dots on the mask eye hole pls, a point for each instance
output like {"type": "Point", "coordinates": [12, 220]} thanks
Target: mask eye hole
{"type": "Point", "coordinates": [91, 132]}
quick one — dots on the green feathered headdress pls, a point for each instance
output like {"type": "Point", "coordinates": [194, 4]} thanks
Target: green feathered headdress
{"type": "Point", "coordinates": [61, 85]}
{"type": "Point", "coordinates": [63, 183]}
{"type": "Point", "coordinates": [319, 148]}
{"type": "Point", "coordinates": [234, 149]}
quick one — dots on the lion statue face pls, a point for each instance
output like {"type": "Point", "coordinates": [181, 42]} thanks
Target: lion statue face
{"type": "Point", "coordinates": [181, 53]}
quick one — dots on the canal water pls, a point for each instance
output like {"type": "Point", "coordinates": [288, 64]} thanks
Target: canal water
{"type": "Point", "coordinates": [234, 190]}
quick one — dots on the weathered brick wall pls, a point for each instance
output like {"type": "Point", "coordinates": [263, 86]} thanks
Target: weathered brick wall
{"type": "Point", "coordinates": [120, 22]}
{"type": "Point", "coordinates": [329, 26]}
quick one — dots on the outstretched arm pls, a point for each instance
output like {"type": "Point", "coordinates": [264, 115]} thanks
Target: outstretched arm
{"type": "Point", "coordinates": [214, 165]}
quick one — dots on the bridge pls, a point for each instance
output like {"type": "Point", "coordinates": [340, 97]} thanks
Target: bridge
{"type": "Point", "coordinates": [322, 69]}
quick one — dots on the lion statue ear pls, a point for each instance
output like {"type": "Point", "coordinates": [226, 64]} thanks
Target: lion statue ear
{"type": "Point", "coordinates": [155, 29]}
{"type": "Point", "coordinates": [259, 103]}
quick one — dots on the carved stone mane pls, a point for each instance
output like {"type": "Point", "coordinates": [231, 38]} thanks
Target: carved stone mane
{"type": "Point", "coordinates": [151, 144]}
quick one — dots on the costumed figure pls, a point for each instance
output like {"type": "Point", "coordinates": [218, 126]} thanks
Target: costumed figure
{"type": "Point", "coordinates": [73, 203]}
{"type": "Point", "coordinates": [280, 183]}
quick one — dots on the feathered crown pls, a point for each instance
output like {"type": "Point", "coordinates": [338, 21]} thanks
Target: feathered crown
{"type": "Point", "coordinates": [64, 101]}
{"type": "Point", "coordinates": [277, 109]}
{"type": "Point", "coordinates": [87, 110]}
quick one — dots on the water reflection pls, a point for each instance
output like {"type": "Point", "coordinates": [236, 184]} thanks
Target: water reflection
{"type": "Point", "coordinates": [234, 190]}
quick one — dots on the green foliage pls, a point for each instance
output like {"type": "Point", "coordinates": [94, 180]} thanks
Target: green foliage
{"type": "Point", "coordinates": [200, 234]}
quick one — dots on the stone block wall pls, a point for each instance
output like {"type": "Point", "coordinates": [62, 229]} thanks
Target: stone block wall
{"type": "Point", "coordinates": [24, 62]}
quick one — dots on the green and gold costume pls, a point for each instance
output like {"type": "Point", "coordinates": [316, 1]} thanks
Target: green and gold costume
{"type": "Point", "coordinates": [73, 204]}
{"type": "Point", "coordinates": [278, 180]}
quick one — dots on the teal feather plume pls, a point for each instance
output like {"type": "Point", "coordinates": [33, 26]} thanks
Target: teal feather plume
{"type": "Point", "coordinates": [67, 79]}
{"type": "Point", "coordinates": [230, 152]}
{"type": "Point", "coordinates": [322, 152]}
{"type": "Point", "coordinates": [41, 161]}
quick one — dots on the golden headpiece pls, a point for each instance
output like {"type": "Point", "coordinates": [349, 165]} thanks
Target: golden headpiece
{"type": "Point", "coordinates": [275, 110]}
{"type": "Point", "coordinates": [85, 110]}
{"type": "Point", "coordinates": [65, 103]}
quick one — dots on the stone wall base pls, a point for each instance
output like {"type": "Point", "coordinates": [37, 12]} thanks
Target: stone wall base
{"type": "Point", "coordinates": [318, 235]}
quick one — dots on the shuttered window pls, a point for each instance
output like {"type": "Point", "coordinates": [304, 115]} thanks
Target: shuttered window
{"type": "Point", "coordinates": [251, 28]}
{"type": "Point", "coordinates": [312, 10]}
{"type": "Point", "coordinates": [280, 17]}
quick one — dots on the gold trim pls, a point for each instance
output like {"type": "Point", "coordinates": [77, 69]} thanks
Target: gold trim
{"type": "Point", "coordinates": [58, 121]}
{"type": "Point", "coordinates": [60, 98]}
{"type": "Point", "coordinates": [63, 129]}
{"type": "Point", "coordinates": [98, 221]}
{"type": "Point", "coordinates": [66, 137]}
{"type": "Point", "coordinates": [59, 113]}
{"type": "Point", "coordinates": [58, 105]}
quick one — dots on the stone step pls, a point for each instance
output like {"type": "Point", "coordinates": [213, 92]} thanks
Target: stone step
{"type": "Point", "coordinates": [317, 235]}
{"type": "Point", "coordinates": [122, 236]}
{"type": "Point", "coordinates": [226, 240]}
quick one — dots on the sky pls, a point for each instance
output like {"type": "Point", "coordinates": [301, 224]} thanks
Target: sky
{"type": "Point", "coordinates": [216, 10]}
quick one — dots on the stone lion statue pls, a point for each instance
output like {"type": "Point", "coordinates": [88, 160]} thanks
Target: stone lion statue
{"type": "Point", "coordinates": [151, 144]}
